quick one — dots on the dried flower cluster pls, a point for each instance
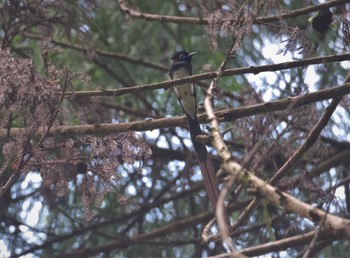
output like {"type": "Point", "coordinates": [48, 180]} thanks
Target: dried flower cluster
{"type": "Point", "coordinates": [34, 102]}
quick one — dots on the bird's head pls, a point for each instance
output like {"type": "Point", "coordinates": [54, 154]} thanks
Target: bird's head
{"type": "Point", "coordinates": [182, 56]}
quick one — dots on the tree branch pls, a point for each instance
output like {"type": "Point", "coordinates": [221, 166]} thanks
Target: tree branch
{"type": "Point", "coordinates": [283, 244]}
{"type": "Point", "coordinates": [205, 21]}
{"type": "Point", "coordinates": [336, 226]}
{"type": "Point", "coordinates": [223, 116]}
{"type": "Point", "coordinates": [211, 75]}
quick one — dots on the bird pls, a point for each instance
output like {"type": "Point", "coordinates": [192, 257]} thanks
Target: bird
{"type": "Point", "coordinates": [322, 21]}
{"type": "Point", "coordinates": [186, 94]}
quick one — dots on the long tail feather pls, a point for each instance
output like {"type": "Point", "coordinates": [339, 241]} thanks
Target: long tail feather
{"type": "Point", "coordinates": [207, 169]}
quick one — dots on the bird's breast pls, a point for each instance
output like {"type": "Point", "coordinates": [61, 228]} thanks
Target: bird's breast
{"type": "Point", "coordinates": [179, 73]}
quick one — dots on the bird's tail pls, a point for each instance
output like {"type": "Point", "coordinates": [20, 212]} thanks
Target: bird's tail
{"type": "Point", "coordinates": [207, 169]}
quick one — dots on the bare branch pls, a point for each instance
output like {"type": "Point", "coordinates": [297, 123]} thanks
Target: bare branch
{"type": "Point", "coordinates": [212, 75]}
{"type": "Point", "coordinates": [298, 240]}
{"type": "Point", "coordinates": [336, 226]}
{"type": "Point", "coordinates": [205, 21]}
{"type": "Point", "coordinates": [223, 116]}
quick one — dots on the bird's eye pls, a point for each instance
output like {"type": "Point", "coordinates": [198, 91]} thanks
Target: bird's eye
{"type": "Point", "coordinates": [182, 55]}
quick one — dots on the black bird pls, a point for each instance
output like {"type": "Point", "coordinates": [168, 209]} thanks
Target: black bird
{"type": "Point", "coordinates": [322, 21]}
{"type": "Point", "coordinates": [186, 94]}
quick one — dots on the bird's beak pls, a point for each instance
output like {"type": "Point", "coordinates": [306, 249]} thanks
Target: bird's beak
{"type": "Point", "coordinates": [191, 54]}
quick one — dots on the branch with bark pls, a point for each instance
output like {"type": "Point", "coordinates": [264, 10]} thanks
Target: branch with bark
{"type": "Point", "coordinates": [222, 115]}
{"type": "Point", "coordinates": [205, 21]}
{"type": "Point", "coordinates": [211, 75]}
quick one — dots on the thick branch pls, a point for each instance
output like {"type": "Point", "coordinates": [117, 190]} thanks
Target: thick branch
{"type": "Point", "coordinates": [223, 152]}
{"type": "Point", "coordinates": [223, 116]}
{"type": "Point", "coordinates": [338, 227]}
